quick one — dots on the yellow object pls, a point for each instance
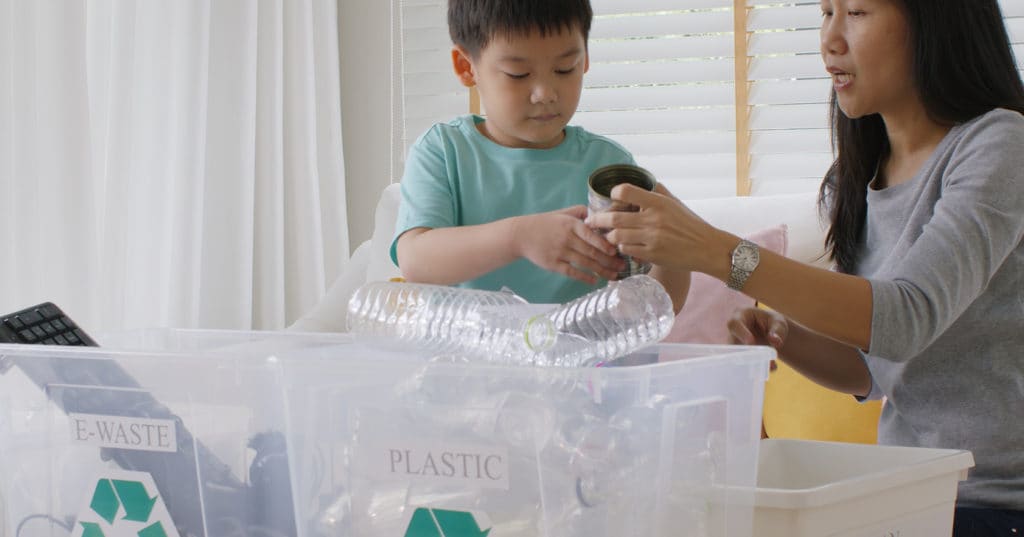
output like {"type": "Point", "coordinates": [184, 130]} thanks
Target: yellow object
{"type": "Point", "coordinates": [795, 407]}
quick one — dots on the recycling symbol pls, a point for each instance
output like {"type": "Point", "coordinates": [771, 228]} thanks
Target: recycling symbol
{"type": "Point", "coordinates": [124, 504]}
{"type": "Point", "coordinates": [443, 523]}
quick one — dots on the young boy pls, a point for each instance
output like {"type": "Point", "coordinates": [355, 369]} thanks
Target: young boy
{"type": "Point", "coordinates": [500, 202]}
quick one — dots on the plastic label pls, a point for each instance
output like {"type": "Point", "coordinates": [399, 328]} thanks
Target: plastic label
{"type": "Point", "coordinates": [124, 432]}
{"type": "Point", "coordinates": [479, 466]}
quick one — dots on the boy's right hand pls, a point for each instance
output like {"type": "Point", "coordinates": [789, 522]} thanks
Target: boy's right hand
{"type": "Point", "coordinates": [559, 241]}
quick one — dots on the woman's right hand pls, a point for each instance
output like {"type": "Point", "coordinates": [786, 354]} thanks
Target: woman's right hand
{"type": "Point", "coordinates": [664, 231]}
{"type": "Point", "coordinates": [756, 326]}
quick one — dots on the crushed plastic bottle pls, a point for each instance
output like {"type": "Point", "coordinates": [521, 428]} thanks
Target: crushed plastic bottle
{"type": "Point", "coordinates": [499, 326]}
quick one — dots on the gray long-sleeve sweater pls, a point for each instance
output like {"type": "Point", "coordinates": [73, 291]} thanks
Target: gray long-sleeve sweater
{"type": "Point", "coordinates": [945, 259]}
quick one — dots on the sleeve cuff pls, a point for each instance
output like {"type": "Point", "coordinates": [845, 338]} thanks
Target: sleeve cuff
{"type": "Point", "coordinates": [876, 391]}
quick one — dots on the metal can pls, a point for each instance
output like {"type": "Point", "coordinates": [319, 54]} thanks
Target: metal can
{"type": "Point", "coordinates": [600, 184]}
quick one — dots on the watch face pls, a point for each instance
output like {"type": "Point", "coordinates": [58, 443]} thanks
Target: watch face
{"type": "Point", "coordinates": [745, 257]}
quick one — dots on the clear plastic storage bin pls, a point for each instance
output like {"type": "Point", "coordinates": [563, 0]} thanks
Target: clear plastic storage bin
{"type": "Point", "coordinates": [223, 434]}
{"type": "Point", "coordinates": [157, 433]}
{"type": "Point", "coordinates": [412, 449]}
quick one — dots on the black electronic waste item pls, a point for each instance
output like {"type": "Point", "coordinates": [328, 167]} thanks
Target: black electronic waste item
{"type": "Point", "coordinates": [263, 508]}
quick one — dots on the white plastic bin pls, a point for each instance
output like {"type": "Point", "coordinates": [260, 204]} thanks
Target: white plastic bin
{"type": "Point", "coordinates": [819, 489]}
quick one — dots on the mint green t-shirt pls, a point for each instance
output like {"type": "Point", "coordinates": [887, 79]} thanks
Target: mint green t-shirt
{"type": "Point", "coordinates": [456, 176]}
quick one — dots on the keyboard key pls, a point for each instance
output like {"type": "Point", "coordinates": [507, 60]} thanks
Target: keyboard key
{"type": "Point", "coordinates": [14, 323]}
{"type": "Point", "coordinates": [30, 318]}
{"type": "Point", "coordinates": [39, 332]}
{"type": "Point", "coordinates": [60, 340]}
{"type": "Point", "coordinates": [48, 311]}
{"type": "Point", "coordinates": [78, 332]}
{"type": "Point", "coordinates": [27, 336]}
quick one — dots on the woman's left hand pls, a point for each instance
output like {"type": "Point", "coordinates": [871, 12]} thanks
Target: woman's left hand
{"type": "Point", "coordinates": [664, 231]}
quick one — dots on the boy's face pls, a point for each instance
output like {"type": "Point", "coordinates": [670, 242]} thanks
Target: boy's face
{"type": "Point", "coordinates": [529, 85]}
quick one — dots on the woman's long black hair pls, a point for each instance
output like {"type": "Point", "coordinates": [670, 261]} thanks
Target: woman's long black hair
{"type": "Point", "coordinates": [963, 67]}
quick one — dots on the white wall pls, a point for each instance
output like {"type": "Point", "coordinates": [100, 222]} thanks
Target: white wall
{"type": "Point", "coordinates": [365, 42]}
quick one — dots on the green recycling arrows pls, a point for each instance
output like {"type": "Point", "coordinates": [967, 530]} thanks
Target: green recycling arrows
{"type": "Point", "coordinates": [443, 523]}
{"type": "Point", "coordinates": [104, 502]}
{"type": "Point", "coordinates": [137, 504]}
{"type": "Point", "coordinates": [125, 508]}
{"type": "Point", "coordinates": [130, 494]}
{"type": "Point", "coordinates": [91, 529]}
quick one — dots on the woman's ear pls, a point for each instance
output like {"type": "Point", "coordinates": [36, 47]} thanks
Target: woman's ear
{"type": "Point", "coordinates": [463, 66]}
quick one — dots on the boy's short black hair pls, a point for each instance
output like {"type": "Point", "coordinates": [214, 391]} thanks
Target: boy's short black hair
{"type": "Point", "coordinates": [473, 23]}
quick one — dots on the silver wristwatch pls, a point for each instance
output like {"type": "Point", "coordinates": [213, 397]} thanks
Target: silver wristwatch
{"type": "Point", "coordinates": [745, 258]}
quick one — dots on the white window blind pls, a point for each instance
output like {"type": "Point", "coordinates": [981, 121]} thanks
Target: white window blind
{"type": "Point", "coordinates": [424, 89]}
{"type": "Point", "coordinates": [787, 106]}
{"type": "Point", "coordinates": [662, 83]}
{"type": "Point", "coordinates": [1013, 12]}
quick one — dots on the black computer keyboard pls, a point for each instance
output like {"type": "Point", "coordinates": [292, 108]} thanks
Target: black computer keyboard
{"type": "Point", "coordinates": [43, 323]}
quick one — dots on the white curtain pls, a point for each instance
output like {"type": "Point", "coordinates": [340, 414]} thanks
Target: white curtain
{"type": "Point", "coordinates": [170, 163]}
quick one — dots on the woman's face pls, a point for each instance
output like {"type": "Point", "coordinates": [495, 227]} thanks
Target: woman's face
{"type": "Point", "coordinates": [866, 47]}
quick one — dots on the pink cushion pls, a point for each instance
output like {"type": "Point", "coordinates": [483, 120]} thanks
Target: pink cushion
{"type": "Point", "coordinates": [710, 304]}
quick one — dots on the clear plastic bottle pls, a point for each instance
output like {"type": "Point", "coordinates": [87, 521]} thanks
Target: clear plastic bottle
{"type": "Point", "coordinates": [614, 321]}
{"type": "Point", "coordinates": [491, 325]}
{"type": "Point", "coordinates": [501, 327]}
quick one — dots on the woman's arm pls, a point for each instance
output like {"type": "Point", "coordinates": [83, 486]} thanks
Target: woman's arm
{"type": "Point", "coordinates": [831, 303]}
{"type": "Point", "coordinates": [956, 238]}
{"type": "Point", "coordinates": [837, 305]}
{"type": "Point", "coordinates": [823, 360]}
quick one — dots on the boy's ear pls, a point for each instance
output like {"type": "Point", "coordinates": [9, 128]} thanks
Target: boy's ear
{"type": "Point", "coordinates": [463, 67]}
{"type": "Point", "coordinates": [586, 61]}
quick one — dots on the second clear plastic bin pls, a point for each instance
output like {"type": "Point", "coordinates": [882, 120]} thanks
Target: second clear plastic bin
{"type": "Point", "coordinates": [660, 444]}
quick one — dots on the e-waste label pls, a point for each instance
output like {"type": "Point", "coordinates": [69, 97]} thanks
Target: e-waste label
{"type": "Point", "coordinates": [124, 432]}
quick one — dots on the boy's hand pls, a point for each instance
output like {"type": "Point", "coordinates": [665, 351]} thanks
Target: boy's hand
{"type": "Point", "coordinates": [559, 241]}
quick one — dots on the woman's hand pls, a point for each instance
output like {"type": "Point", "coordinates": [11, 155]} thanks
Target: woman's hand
{"type": "Point", "coordinates": [755, 326]}
{"type": "Point", "coordinates": [664, 231]}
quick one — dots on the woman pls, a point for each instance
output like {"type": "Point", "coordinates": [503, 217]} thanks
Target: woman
{"type": "Point", "coordinates": [926, 202]}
